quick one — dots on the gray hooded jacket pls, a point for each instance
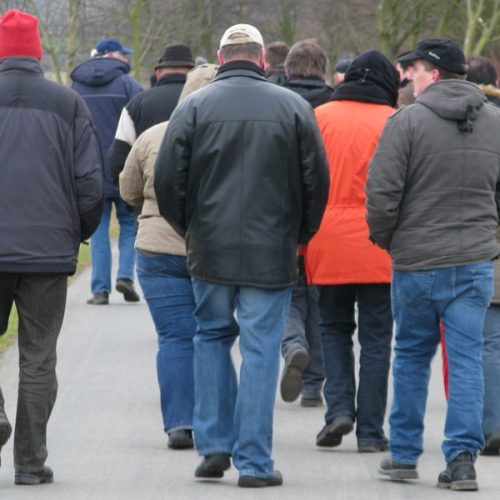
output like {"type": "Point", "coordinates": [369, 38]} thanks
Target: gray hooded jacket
{"type": "Point", "coordinates": [434, 180]}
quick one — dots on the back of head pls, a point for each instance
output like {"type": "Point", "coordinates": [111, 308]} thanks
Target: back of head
{"type": "Point", "coordinates": [481, 71]}
{"type": "Point", "coordinates": [306, 59]}
{"type": "Point", "coordinates": [111, 47]}
{"type": "Point", "coordinates": [276, 53]}
{"type": "Point", "coordinates": [241, 42]}
{"type": "Point", "coordinates": [19, 35]}
{"type": "Point", "coordinates": [371, 77]}
{"type": "Point", "coordinates": [176, 55]}
{"type": "Point", "coordinates": [342, 65]}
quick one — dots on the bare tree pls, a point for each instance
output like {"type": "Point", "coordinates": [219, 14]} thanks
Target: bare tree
{"type": "Point", "coordinates": [286, 13]}
{"type": "Point", "coordinates": [402, 20]}
{"type": "Point", "coordinates": [482, 25]}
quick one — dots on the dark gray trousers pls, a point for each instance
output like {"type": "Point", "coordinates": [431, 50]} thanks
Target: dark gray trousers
{"type": "Point", "coordinates": [40, 301]}
{"type": "Point", "coordinates": [302, 330]}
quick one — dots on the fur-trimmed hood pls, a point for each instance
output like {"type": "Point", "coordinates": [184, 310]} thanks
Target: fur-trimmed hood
{"type": "Point", "coordinates": [492, 93]}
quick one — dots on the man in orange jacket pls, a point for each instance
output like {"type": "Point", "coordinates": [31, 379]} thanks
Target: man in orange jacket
{"type": "Point", "coordinates": [348, 268]}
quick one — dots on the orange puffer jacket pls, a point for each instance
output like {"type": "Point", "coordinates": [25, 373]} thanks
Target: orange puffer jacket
{"type": "Point", "coordinates": [340, 252]}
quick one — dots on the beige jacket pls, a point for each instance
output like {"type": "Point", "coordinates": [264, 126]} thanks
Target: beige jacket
{"type": "Point", "coordinates": [137, 189]}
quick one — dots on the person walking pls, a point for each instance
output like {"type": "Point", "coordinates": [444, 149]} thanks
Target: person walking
{"type": "Point", "coordinates": [482, 72]}
{"type": "Point", "coordinates": [50, 156]}
{"type": "Point", "coordinates": [305, 66]}
{"type": "Point", "coordinates": [274, 61]}
{"type": "Point", "coordinates": [431, 193]}
{"type": "Point", "coordinates": [347, 268]}
{"type": "Point", "coordinates": [152, 106]}
{"type": "Point", "coordinates": [105, 85]}
{"type": "Point", "coordinates": [165, 282]}
{"type": "Point", "coordinates": [242, 174]}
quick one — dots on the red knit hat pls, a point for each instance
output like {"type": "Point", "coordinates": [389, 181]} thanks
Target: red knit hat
{"type": "Point", "coordinates": [19, 35]}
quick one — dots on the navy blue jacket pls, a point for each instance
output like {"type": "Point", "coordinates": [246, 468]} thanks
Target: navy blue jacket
{"type": "Point", "coordinates": [106, 87]}
{"type": "Point", "coordinates": [51, 182]}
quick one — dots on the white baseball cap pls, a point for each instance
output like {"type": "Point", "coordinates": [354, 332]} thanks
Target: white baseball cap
{"type": "Point", "coordinates": [241, 33]}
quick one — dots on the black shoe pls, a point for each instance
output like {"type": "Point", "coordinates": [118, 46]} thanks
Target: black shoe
{"type": "Point", "coordinates": [291, 378]}
{"type": "Point", "coordinates": [5, 429]}
{"type": "Point", "coordinates": [372, 446]}
{"type": "Point", "coordinates": [126, 286]}
{"type": "Point", "coordinates": [492, 447]}
{"type": "Point", "coordinates": [259, 482]}
{"type": "Point", "coordinates": [213, 466]}
{"type": "Point", "coordinates": [460, 474]}
{"type": "Point", "coordinates": [331, 434]}
{"type": "Point", "coordinates": [99, 299]}
{"type": "Point", "coordinates": [311, 402]}
{"type": "Point", "coordinates": [180, 439]}
{"type": "Point", "coordinates": [397, 471]}
{"type": "Point", "coordinates": [44, 476]}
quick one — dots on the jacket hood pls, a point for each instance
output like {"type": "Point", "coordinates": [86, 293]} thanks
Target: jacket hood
{"type": "Point", "coordinates": [490, 91]}
{"type": "Point", "coordinates": [99, 71]}
{"type": "Point", "coordinates": [371, 77]}
{"type": "Point", "coordinates": [457, 100]}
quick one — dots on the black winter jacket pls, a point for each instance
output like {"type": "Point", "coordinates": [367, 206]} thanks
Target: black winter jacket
{"type": "Point", "coordinates": [313, 90]}
{"type": "Point", "coordinates": [243, 174]}
{"type": "Point", "coordinates": [145, 110]}
{"type": "Point", "coordinates": [51, 179]}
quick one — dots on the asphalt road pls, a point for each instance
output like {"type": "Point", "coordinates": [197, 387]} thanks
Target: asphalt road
{"type": "Point", "coordinates": [106, 439]}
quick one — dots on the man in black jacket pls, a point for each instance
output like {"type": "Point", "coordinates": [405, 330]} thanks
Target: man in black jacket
{"type": "Point", "coordinates": [274, 58]}
{"type": "Point", "coordinates": [51, 198]}
{"type": "Point", "coordinates": [242, 174]}
{"type": "Point", "coordinates": [152, 106]}
{"type": "Point", "coordinates": [305, 66]}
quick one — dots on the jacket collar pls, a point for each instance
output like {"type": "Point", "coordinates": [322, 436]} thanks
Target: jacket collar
{"type": "Point", "coordinates": [240, 68]}
{"type": "Point", "coordinates": [29, 64]}
{"type": "Point", "coordinates": [171, 78]}
{"type": "Point", "coordinates": [301, 81]}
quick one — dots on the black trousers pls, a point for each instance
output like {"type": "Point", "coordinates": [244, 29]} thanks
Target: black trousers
{"type": "Point", "coordinates": [40, 301]}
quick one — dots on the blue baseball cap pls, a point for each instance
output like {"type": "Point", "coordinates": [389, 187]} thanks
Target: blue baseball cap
{"type": "Point", "coordinates": [112, 45]}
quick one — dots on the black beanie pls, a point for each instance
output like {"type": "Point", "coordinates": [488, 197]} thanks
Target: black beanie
{"type": "Point", "coordinates": [371, 77]}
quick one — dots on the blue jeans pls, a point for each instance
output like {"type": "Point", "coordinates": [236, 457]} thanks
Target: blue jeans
{"type": "Point", "coordinates": [459, 296]}
{"type": "Point", "coordinates": [491, 370]}
{"type": "Point", "coordinates": [169, 294]}
{"type": "Point", "coordinates": [100, 247]}
{"type": "Point", "coordinates": [227, 418]}
{"type": "Point", "coordinates": [302, 331]}
{"type": "Point", "coordinates": [375, 335]}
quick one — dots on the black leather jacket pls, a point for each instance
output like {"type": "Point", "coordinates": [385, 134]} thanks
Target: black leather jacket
{"type": "Point", "coordinates": [243, 174]}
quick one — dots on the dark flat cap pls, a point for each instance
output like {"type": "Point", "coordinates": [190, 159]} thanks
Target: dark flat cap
{"type": "Point", "coordinates": [176, 55]}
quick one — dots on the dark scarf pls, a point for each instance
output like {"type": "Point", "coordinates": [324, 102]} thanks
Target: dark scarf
{"type": "Point", "coordinates": [371, 77]}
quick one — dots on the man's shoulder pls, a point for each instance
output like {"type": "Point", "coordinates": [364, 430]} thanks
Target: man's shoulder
{"type": "Point", "coordinates": [150, 95]}
{"type": "Point", "coordinates": [59, 92]}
